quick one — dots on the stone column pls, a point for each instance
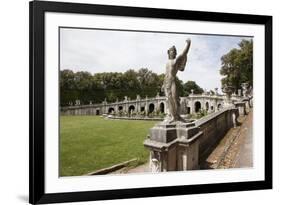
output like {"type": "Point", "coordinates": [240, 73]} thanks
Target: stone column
{"type": "Point", "coordinates": [104, 107]}
{"type": "Point", "coordinates": [138, 104]}
{"type": "Point", "coordinates": [146, 106]}
{"type": "Point", "coordinates": [191, 106]}
{"type": "Point", "coordinates": [239, 93]}
{"type": "Point", "coordinates": [166, 107]}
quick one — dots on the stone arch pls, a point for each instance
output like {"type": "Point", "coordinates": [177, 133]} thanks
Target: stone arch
{"type": "Point", "coordinates": [188, 110]}
{"type": "Point", "coordinates": [97, 112]}
{"type": "Point", "coordinates": [162, 107]}
{"type": "Point", "coordinates": [142, 109]}
{"type": "Point", "coordinates": [120, 108]}
{"type": "Point", "coordinates": [197, 106]}
{"type": "Point", "coordinates": [151, 108]}
{"type": "Point", "coordinates": [219, 106]}
{"type": "Point", "coordinates": [110, 110]}
{"type": "Point", "coordinates": [212, 107]}
{"type": "Point", "coordinates": [207, 106]}
{"type": "Point", "coordinates": [131, 108]}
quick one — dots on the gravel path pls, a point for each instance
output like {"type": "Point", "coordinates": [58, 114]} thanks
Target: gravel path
{"type": "Point", "coordinates": [239, 152]}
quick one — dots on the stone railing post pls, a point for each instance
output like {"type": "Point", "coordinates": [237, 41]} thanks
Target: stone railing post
{"type": "Point", "coordinates": [241, 108]}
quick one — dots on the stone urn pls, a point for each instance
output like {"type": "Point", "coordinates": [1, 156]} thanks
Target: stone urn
{"type": "Point", "coordinates": [192, 92]}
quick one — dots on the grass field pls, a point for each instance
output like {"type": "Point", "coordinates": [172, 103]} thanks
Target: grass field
{"type": "Point", "coordinates": [89, 143]}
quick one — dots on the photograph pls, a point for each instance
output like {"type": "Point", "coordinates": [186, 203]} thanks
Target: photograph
{"type": "Point", "coordinates": [141, 102]}
{"type": "Point", "coordinates": [130, 102]}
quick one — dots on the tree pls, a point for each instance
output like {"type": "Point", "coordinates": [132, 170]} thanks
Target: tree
{"type": "Point", "coordinates": [67, 79]}
{"type": "Point", "coordinates": [83, 80]}
{"type": "Point", "coordinates": [191, 85]}
{"type": "Point", "coordinates": [237, 65]}
{"type": "Point", "coordinates": [67, 87]}
{"type": "Point", "coordinates": [143, 76]}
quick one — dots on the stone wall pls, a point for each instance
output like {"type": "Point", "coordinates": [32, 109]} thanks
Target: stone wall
{"type": "Point", "coordinates": [189, 105]}
{"type": "Point", "coordinates": [82, 110]}
{"type": "Point", "coordinates": [184, 146]}
{"type": "Point", "coordinates": [214, 127]}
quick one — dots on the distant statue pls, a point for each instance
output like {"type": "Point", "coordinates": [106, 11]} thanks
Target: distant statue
{"type": "Point", "coordinates": [172, 67]}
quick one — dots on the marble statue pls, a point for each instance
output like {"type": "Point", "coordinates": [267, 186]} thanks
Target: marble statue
{"type": "Point", "coordinates": [174, 65]}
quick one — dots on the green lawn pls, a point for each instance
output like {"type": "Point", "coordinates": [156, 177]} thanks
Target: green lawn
{"type": "Point", "coordinates": [89, 143]}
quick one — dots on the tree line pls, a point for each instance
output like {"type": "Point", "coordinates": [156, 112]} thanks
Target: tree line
{"type": "Point", "coordinates": [111, 86]}
{"type": "Point", "coordinates": [237, 65]}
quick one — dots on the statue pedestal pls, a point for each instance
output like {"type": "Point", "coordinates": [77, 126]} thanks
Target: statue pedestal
{"type": "Point", "coordinates": [173, 147]}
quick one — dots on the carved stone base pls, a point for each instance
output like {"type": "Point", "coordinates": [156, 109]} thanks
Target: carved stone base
{"type": "Point", "coordinates": [173, 147]}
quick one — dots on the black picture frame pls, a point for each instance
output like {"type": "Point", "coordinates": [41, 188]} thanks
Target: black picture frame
{"type": "Point", "coordinates": [37, 194]}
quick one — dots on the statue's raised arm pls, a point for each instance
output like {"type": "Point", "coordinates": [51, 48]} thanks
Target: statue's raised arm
{"type": "Point", "coordinates": [182, 58]}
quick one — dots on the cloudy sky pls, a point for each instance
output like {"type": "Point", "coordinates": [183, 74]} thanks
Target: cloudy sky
{"type": "Point", "coordinates": [117, 51]}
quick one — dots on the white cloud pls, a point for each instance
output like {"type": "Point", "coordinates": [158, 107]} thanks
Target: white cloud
{"type": "Point", "coordinates": [117, 51]}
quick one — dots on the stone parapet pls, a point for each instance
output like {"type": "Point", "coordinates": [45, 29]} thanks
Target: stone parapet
{"type": "Point", "coordinates": [173, 147]}
{"type": "Point", "coordinates": [181, 146]}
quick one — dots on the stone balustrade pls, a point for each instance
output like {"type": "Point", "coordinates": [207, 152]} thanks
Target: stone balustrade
{"type": "Point", "coordinates": [189, 105]}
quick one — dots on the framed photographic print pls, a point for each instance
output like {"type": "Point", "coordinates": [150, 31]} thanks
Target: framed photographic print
{"type": "Point", "coordinates": [140, 102]}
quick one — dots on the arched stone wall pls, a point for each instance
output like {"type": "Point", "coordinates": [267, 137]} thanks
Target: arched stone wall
{"type": "Point", "coordinates": [140, 105]}
{"type": "Point", "coordinates": [97, 112]}
{"type": "Point", "coordinates": [110, 110]}
{"type": "Point", "coordinates": [207, 106]}
{"type": "Point", "coordinates": [188, 110]}
{"type": "Point", "coordinates": [162, 107]}
{"type": "Point", "coordinates": [151, 108]}
{"type": "Point", "coordinates": [197, 106]}
{"type": "Point", "coordinates": [131, 108]}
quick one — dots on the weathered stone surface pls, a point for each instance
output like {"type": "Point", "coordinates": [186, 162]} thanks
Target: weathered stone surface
{"type": "Point", "coordinates": [181, 146]}
{"type": "Point", "coordinates": [212, 103]}
{"type": "Point", "coordinates": [163, 134]}
{"type": "Point", "coordinates": [174, 65]}
{"type": "Point", "coordinates": [241, 108]}
{"type": "Point", "coordinates": [228, 90]}
{"type": "Point", "coordinates": [166, 132]}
